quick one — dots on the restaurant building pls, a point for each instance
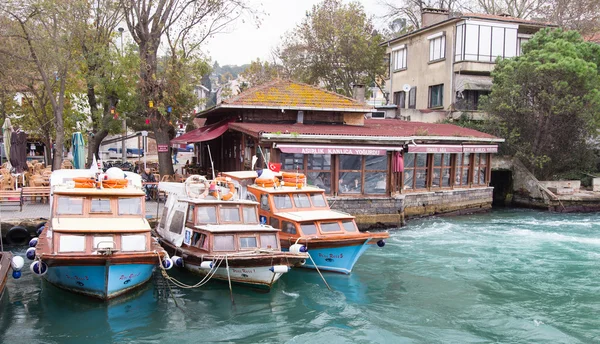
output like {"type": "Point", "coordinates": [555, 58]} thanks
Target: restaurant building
{"type": "Point", "coordinates": [379, 170]}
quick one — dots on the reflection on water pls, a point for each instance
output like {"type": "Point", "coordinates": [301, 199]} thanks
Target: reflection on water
{"type": "Point", "coordinates": [509, 276]}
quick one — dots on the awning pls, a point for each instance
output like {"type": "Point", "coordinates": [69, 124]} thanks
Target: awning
{"type": "Point", "coordinates": [452, 149]}
{"type": "Point", "coordinates": [435, 149]}
{"type": "Point", "coordinates": [205, 133]}
{"type": "Point", "coordinates": [472, 82]}
{"type": "Point", "coordinates": [336, 149]}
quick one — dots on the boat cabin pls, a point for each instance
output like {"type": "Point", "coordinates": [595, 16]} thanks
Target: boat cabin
{"type": "Point", "coordinates": [220, 226]}
{"type": "Point", "coordinates": [88, 221]}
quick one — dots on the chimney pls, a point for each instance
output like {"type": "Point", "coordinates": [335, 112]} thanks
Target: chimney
{"type": "Point", "coordinates": [358, 92]}
{"type": "Point", "coordinates": [430, 16]}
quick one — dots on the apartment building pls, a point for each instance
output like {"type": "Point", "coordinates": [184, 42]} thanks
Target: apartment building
{"type": "Point", "coordinates": [441, 70]}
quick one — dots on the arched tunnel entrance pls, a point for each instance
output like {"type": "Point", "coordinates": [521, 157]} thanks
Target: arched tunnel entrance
{"type": "Point", "coordinates": [502, 181]}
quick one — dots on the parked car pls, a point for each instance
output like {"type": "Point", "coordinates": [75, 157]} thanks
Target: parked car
{"type": "Point", "coordinates": [188, 148]}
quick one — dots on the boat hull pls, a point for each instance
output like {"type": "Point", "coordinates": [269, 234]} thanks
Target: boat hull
{"type": "Point", "coordinates": [5, 268]}
{"type": "Point", "coordinates": [100, 281]}
{"type": "Point", "coordinates": [335, 256]}
{"type": "Point", "coordinates": [256, 277]}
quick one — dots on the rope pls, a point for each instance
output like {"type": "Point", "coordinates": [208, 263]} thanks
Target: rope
{"type": "Point", "coordinates": [229, 279]}
{"type": "Point", "coordinates": [207, 277]}
{"type": "Point", "coordinates": [316, 267]}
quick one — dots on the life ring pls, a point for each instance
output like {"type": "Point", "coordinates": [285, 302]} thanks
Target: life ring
{"type": "Point", "coordinates": [266, 182]}
{"type": "Point", "coordinates": [18, 235]}
{"type": "Point", "coordinates": [295, 180]}
{"type": "Point", "coordinates": [196, 180]}
{"type": "Point", "coordinates": [230, 185]}
{"type": "Point", "coordinates": [115, 183]}
{"type": "Point", "coordinates": [85, 183]}
{"type": "Point", "coordinates": [294, 184]}
{"type": "Point", "coordinates": [292, 175]}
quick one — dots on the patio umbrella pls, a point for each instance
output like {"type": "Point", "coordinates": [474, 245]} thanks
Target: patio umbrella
{"type": "Point", "coordinates": [6, 133]}
{"type": "Point", "coordinates": [78, 150]}
{"type": "Point", "coordinates": [18, 150]}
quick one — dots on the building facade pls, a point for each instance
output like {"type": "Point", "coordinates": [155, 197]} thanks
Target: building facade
{"type": "Point", "coordinates": [441, 70]}
{"type": "Point", "coordinates": [368, 167]}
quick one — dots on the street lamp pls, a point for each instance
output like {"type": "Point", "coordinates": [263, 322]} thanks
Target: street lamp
{"type": "Point", "coordinates": [121, 32]}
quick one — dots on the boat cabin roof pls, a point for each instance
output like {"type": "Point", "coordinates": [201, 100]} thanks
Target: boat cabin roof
{"type": "Point", "coordinates": [209, 200]}
{"type": "Point", "coordinates": [236, 228]}
{"type": "Point", "coordinates": [241, 175]}
{"type": "Point", "coordinates": [288, 189]}
{"type": "Point", "coordinates": [97, 224]}
{"type": "Point", "coordinates": [314, 215]}
{"type": "Point", "coordinates": [72, 191]}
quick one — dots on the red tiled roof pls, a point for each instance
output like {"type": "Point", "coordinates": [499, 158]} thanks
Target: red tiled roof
{"type": "Point", "coordinates": [292, 95]}
{"type": "Point", "coordinates": [372, 127]}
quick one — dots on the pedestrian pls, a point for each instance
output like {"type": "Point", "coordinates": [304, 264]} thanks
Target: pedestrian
{"type": "Point", "coordinates": [175, 161]}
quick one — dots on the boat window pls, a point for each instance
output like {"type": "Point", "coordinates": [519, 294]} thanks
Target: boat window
{"type": "Point", "coordinates": [199, 240]}
{"type": "Point", "coordinates": [349, 225]}
{"type": "Point", "coordinates": [206, 214]}
{"type": "Point", "coordinates": [101, 242]}
{"type": "Point", "coordinates": [229, 214]}
{"type": "Point", "coordinates": [318, 200]}
{"type": "Point", "coordinates": [264, 202]}
{"type": "Point", "coordinates": [223, 243]}
{"type": "Point", "coordinates": [309, 228]}
{"type": "Point", "coordinates": [248, 242]}
{"type": "Point", "coordinates": [274, 222]}
{"type": "Point", "coordinates": [330, 227]}
{"type": "Point", "coordinates": [282, 201]}
{"type": "Point", "coordinates": [190, 214]}
{"type": "Point", "coordinates": [177, 222]}
{"type": "Point", "coordinates": [250, 214]}
{"type": "Point", "coordinates": [250, 196]}
{"type": "Point", "coordinates": [130, 206]}
{"type": "Point", "coordinates": [301, 200]}
{"type": "Point", "coordinates": [268, 241]}
{"type": "Point", "coordinates": [288, 227]}
{"type": "Point", "coordinates": [71, 243]}
{"type": "Point", "coordinates": [136, 242]}
{"type": "Point", "coordinates": [69, 206]}
{"type": "Point", "coordinates": [100, 205]}
{"type": "Point", "coordinates": [163, 218]}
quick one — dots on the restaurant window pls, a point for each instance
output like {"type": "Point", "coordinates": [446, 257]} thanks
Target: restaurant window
{"type": "Point", "coordinates": [440, 176]}
{"type": "Point", "coordinates": [318, 171]}
{"type": "Point", "coordinates": [436, 96]}
{"type": "Point", "coordinates": [288, 227]}
{"type": "Point", "coordinates": [461, 174]}
{"type": "Point", "coordinates": [223, 243]}
{"type": "Point", "coordinates": [292, 161]}
{"type": "Point", "coordinates": [480, 168]}
{"type": "Point", "coordinates": [350, 175]}
{"type": "Point", "coordinates": [376, 167]}
{"type": "Point", "coordinates": [415, 171]}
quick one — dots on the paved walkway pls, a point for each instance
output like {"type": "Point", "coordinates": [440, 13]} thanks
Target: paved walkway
{"type": "Point", "coordinates": [40, 210]}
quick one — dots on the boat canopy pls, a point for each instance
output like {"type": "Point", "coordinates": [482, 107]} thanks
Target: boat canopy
{"type": "Point", "coordinates": [314, 215]}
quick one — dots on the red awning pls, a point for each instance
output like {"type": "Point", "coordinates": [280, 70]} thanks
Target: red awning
{"type": "Point", "coordinates": [205, 133]}
{"type": "Point", "coordinates": [335, 149]}
{"type": "Point", "coordinates": [480, 148]}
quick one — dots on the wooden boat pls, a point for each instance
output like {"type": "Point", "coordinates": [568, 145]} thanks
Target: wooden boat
{"type": "Point", "coordinates": [218, 235]}
{"type": "Point", "coordinates": [5, 267]}
{"type": "Point", "coordinates": [97, 241]}
{"type": "Point", "coordinates": [304, 216]}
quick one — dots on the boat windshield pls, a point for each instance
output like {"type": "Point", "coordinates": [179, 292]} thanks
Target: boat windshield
{"type": "Point", "coordinates": [349, 225]}
{"type": "Point", "coordinates": [130, 206]}
{"type": "Point", "coordinates": [282, 201]}
{"type": "Point", "coordinates": [69, 205]}
{"type": "Point", "coordinates": [318, 200]}
{"type": "Point", "coordinates": [206, 214]}
{"type": "Point", "coordinates": [250, 216]}
{"type": "Point", "coordinates": [330, 227]}
{"type": "Point", "coordinates": [100, 205]}
{"type": "Point", "coordinates": [308, 228]}
{"type": "Point", "coordinates": [301, 200]}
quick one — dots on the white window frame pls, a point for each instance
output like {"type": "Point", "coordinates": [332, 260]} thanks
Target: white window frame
{"type": "Point", "coordinates": [399, 55]}
{"type": "Point", "coordinates": [437, 46]}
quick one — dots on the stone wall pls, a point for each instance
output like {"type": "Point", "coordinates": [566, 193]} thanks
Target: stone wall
{"type": "Point", "coordinates": [459, 201]}
{"type": "Point", "coordinates": [371, 213]}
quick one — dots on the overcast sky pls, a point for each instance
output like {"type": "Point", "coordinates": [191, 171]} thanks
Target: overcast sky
{"type": "Point", "coordinates": [245, 42]}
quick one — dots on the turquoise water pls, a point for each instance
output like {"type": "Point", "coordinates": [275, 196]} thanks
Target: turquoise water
{"type": "Point", "coordinates": [505, 277]}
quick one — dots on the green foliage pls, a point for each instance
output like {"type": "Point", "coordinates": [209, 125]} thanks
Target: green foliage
{"type": "Point", "coordinates": [259, 72]}
{"type": "Point", "coordinates": [335, 45]}
{"type": "Point", "coordinates": [546, 103]}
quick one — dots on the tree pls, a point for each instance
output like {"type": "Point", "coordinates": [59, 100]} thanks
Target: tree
{"type": "Point", "coordinates": [185, 25]}
{"type": "Point", "coordinates": [410, 10]}
{"type": "Point", "coordinates": [336, 45]}
{"type": "Point", "coordinates": [260, 72]}
{"type": "Point", "coordinates": [546, 102]}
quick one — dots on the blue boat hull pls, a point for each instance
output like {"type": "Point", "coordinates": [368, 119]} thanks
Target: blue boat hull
{"type": "Point", "coordinates": [337, 259]}
{"type": "Point", "coordinates": [100, 281]}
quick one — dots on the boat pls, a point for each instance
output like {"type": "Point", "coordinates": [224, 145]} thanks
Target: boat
{"type": "Point", "coordinates": [9, 262]}
{"type": "Point", "coordinates": [97, 241]}
{"type": "Point", "coordinates": [304, 216]}
{"type": "Point", "coordinates": [209, 231]}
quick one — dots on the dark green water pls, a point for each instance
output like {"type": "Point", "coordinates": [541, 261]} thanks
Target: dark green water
{"type": "Point", "coordinates": [504, 277]}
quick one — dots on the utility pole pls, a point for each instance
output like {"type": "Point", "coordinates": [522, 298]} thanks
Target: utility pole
{"type": "Point", "coordinates": [123, 148]}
